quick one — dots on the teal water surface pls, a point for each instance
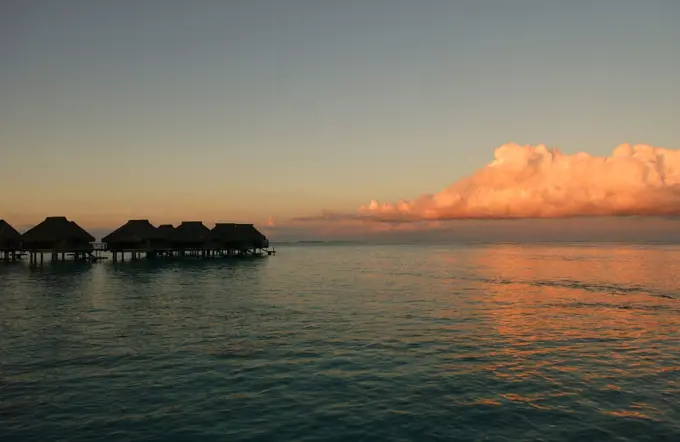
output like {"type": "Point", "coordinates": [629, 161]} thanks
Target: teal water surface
{"type": "Point", "coordinates": [347, 343]}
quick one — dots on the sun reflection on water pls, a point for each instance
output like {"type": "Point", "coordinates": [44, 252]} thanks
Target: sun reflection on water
{"type": "Point", "coordinates": [602, 319]}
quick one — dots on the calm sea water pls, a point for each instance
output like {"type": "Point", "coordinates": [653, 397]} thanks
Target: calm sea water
{"type": "Point", "coordinates": [347, 343]}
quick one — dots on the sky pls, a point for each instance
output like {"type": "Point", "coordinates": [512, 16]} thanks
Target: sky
{"type": "Point", "coordinates": [256, 110]}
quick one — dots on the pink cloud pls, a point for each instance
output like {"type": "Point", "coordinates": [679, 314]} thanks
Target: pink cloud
{"type": "Point", "coordinates": [538, 182]}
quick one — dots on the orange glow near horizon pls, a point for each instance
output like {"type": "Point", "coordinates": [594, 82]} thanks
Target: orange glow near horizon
{"type": "Point", "coordinates": [540, 309]}
{"type": "Point", "coordinates": [109, 210]}
{"type": "Point", "coordinates": [538, 182]}
{"type": "Point", "coordinates": [107, 218]}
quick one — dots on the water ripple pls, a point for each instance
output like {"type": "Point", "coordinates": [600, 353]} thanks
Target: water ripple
{"type": "Point", "coordinates": [347, 344]}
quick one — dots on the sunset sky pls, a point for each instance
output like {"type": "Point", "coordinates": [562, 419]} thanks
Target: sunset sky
{"type": "Point", "coordinates": [245, 110]}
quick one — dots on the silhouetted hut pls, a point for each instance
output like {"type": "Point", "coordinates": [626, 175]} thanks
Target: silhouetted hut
{"type": "Point", "coordinates": [190, 235]}
{"type": "Point", "coordinates": [137, 235]}
{"type": "Point", "coordinates": [10, 239]}
{"type": "Point", "coordinates": [252, 237]}
{"type": "Point", "coordinates": [57, 234]}
{"type": "Point", "coordinates": [166, 231]}
{"type": "Point", "coordinates": [240, 237]}
{"type": "Point", "coordinates": [225, 236]}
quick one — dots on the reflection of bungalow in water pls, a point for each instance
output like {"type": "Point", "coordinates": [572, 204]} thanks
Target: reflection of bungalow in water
{"type": "Point", "coordinates": [238, 238]}
{"type": "Point", "coordinates": [10, 241]}
{"type": "Point", "coordinates": [135, 236]}
{"type": "Point", "coordinates": [55, 235]}
{"type": "Point", "coordinates": [190, 236]}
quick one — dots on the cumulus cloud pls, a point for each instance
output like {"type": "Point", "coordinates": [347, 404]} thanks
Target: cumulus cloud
{"type": "Point", "coordinates": [538, 182]}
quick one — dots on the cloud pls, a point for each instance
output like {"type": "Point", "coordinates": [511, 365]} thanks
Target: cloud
{"type": "Point", "coordinates": [538, 182]}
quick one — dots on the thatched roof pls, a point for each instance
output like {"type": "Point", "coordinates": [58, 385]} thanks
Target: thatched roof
{"type": "Point", "coordinates": [237, 233]}
{"type": "Point", "coordinates": [190, 231]}
{"type": "Point", "coordinates": [225, 232]}
{"type": "Point", "coordinates": [249, 232]}
{"type": "Point", "coordinates": [165, 230]}
{"type": "Point", "coordinates": [56, 229]}
{"type": "Point", "coordinates": [136, 230]}
{"type": "Point", "coordinates": [8, 234]}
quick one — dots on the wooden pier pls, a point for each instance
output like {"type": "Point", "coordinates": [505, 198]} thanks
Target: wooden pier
{"type": "Point", "coordinates": [205, 253]}
{"type": "Point", "coordinates": [11, 255]}
{"type": "Point", "coordinates": [38, 256]}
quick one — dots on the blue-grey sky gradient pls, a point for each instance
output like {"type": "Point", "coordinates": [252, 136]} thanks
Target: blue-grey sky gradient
{"type": "Point", "coordinates": [245, 109]}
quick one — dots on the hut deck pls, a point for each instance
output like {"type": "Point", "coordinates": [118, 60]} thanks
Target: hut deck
{"type": "Point", "coordinates": [38, 256]}
{"type": "Point", "coordinates": [11, 255]}
{"type": "Point", "coordinates": [206, 252]}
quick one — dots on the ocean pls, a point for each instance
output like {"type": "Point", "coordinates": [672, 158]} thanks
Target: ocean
{"type": "Point", "coordinates": [347, 342]}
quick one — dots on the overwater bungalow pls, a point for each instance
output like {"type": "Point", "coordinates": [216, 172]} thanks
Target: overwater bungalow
{"type": "Point", "coordinates": [166, 230]}
{"type": "Point", "coordinates": [55, 235]}
{"type": "Point", "coordinates": [192, 236]}
{"type": "Point", "coordinates": [136, 236]}
{"type": "Point", "coordinates": [10, 241]}
{"type": "Point", "coordinates": [252, 237]}
{"type": "Point", "coordinates": [238, 238]}
{"type": "Point", "coordinates": [224, 236]}
{"type": "Point", "coordinates": [58, 236]}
